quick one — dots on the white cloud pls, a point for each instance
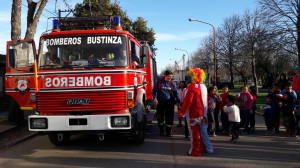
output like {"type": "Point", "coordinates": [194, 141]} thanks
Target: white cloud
{"type": "Point", "coordinates": [179, 37]}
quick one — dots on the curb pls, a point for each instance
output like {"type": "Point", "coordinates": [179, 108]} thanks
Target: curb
{"type": "Point", "coordinates": [21, 139]}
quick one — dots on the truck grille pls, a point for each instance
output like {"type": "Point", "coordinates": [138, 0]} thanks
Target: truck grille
{"type": "Point", "coordinates": [99, 101]}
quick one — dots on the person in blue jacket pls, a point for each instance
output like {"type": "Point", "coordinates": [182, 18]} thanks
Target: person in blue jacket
{"type": "Point", "coordinates": [165, 96]}
{"type": "Point", "coordinates": [269, 110]}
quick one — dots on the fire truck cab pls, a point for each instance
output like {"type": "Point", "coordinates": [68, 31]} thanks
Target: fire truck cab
{"type": "Point", "coordinates": [84, 77]}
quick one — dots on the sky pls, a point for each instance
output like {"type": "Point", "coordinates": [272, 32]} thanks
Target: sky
{"type": "Point", "coordinates": [168, 18]}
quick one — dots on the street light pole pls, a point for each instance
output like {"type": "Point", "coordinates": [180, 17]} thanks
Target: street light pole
{"type": "Point", "coordinates": [215, 57]}
{"type": "Point", "coordinates": [187, 56]}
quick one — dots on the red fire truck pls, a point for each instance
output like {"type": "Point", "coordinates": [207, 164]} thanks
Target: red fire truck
{"type": "Point", "coordinates": [84, 77]}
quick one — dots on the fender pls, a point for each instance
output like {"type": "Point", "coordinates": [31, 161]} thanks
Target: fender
{"type": "Point", "coordinates": [138, 109]}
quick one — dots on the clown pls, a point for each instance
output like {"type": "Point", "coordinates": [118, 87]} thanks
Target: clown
{"type": "Point", "coordinates": [196, 102]}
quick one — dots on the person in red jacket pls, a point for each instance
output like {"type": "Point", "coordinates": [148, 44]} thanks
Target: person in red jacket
{"type": "Point", "coordinates": [245, 104]}
{"type": "Point", "coordinates": [193, 102]}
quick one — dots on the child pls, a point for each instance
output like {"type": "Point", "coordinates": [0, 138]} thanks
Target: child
{"type": "Point", "coordinates": [269, 110]}
{"type": "Point", "coordinates": [297, 113]}
{"type": "Point", "coordinates": [224, 116]}
{"type": "Point", "coordinates": [245, 104]}
{"type": "Point", "coordinates": [288, 114]}
{"type": "Point", "coordinates": [212, 104]}
{"type": "Point", "coordinates": [277, 98]}
{"type": "Point", "coordinates": [234, 117]}
{"type": "Point", "coordinates": [217, 109]}
{"type": "Point", "coordinates": [252, 91]}
{"type": "Point", "coordinates": [182, 92]}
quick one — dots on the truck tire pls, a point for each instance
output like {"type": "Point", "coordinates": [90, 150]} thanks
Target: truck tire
{"type": "Point", "coordinates": [138, 133]}
{"type": "Point", "coordinates": [59, 138]}
{"type": "Point", "coordinates": [139, 130]}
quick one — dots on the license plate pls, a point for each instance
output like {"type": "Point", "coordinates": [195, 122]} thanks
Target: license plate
{"type": "Point", "coordinates": [78, 101]}
{"type": "Point", "coordinates": [78, 121]}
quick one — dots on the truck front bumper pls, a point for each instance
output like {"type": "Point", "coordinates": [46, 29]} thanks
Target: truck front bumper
{"type": "Point", "coordinates": [79, 123]}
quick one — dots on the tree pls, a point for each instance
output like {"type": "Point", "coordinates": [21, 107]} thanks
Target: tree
{"type": "Point", "coordinates": [203, 57]}
{"type": "Point", "coordinates": [284, 15]}
{"type": "Point", "coordinates": [104, 7]}
{"type": "Point", "coordinates": [16, 20]}
{"type": "Point", "coordinates": [140, 30]}
{"type": "Point", "coordinates": [228, 40]}
{"type": "Point", "coordinates": [34, 13]}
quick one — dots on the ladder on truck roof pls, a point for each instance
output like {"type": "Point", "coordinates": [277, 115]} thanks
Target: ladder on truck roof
{"type": "Point", "coordinates": [85, 23]}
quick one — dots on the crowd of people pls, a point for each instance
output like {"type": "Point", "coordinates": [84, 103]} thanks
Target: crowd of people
{"type": "Point", "coordinates": [199, 108]}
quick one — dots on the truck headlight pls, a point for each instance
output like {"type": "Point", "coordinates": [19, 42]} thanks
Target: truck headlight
{"type": "Point", "coordinates": [120, 121]}
{"type": "Point", "coordinates": [38, 123]}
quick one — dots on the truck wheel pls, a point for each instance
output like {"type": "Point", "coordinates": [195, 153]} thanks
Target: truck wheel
{"type": "Point", "coordinates": [59, 138]}
{"type": "Point", "coordinates": [138, 132]}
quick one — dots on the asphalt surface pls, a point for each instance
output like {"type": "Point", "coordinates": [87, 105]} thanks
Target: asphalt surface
{"type": "Point", "coordinates": [254, 150]}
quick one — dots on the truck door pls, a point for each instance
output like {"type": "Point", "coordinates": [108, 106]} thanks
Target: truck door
{"type": "Point", "coordinates": [20, 76]}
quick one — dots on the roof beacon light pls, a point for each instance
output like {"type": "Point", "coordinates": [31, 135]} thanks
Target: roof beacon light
{"type": "Point", "coordinates": [55, 24]}
{"type": "Point", "coordinates": [117, 23]}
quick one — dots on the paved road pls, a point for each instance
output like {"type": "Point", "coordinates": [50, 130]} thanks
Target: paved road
{"type": "Point", "coordinates": [256, 150]}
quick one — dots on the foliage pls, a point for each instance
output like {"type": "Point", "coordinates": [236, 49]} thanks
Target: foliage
{"type": "Point", "coordinates": [283, 17]}
{"type": "Point", "coordinates": [251, 46]}
{"type": "Point", "coordinates": [220, 85]}
{"type": "Point", "coordinates": [137, 27]}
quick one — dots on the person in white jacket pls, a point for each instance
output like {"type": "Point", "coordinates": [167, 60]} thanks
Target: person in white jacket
{"type": "Point", "coordinates": [233, 112]}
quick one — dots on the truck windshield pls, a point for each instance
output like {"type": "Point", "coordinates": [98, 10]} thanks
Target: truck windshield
{"type": "Point", "coordinates": [83, 52]}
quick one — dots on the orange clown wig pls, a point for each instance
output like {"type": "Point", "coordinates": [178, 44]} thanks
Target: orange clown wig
{"type": "Point", "coordinates": [197, 75]}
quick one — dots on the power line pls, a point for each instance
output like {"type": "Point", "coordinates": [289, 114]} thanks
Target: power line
{"type": "Point", "coordinates": [42, 14]}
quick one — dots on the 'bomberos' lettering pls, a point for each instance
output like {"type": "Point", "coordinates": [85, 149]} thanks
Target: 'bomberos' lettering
{"type": "Point", "coordinates": [78, 81]}
{"type": "Point", "coordinates": [84, 40]}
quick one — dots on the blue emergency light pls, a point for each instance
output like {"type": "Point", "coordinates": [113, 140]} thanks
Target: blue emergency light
{"type": "Point", "coordinates": [117, 22]}
{"type": "Point", "coordinates": [55, 24]}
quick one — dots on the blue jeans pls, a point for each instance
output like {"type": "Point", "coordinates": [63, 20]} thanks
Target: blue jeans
{"type": "Point", "coordinates": [205, 137]}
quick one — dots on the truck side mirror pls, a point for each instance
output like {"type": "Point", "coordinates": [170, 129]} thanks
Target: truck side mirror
{"type": "Point", "coordinates": [144, 54]}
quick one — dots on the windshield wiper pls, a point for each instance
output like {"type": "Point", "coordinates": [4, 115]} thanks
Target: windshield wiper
{"type": "Point", "coordinates": [49, 66]}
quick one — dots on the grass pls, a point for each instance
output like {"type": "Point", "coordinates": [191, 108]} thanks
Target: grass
{"type": "Point", "coordinates": [260, 99]}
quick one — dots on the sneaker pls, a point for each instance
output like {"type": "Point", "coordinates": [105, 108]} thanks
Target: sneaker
{"type": "Point", "coordinates": [179, 125]}
{"type": "Point", "coordinates": [212, 135]}
{"type": "Point", "coordinates": [225, 132]}
{"type": "Point", "coordinates": [186, 138]}
{"type": "Point", "coordinates": [235, 140]}
{"type": "Point", "coordinates": [244, 132]}
{"type": "Point", "coordinates": [286, 135]}
{"type": "Point", "coordinates": [269, 133]}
